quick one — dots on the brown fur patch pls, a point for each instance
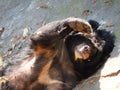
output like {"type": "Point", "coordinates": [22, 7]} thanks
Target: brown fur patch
{"type": "Point", "coordinates": [79, 25]}
{"type": "Point", "coordinates": [44, 77]}
{"type": "Point", "coordinates": [39, 51]}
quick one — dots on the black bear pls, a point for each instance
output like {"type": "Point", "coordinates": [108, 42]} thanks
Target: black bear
{"type": "Point", "coordinates": [59, 55]}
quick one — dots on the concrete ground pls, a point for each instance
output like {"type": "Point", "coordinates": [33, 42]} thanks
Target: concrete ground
{"type": "Point", "coordinates": [22, 17]}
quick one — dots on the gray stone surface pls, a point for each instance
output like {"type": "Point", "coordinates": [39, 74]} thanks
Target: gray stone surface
{"type": "Point", "coordinates": [20, 16]}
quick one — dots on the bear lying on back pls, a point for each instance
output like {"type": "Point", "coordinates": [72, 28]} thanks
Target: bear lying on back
{"type": "Point", "coordinates": [60, 54]}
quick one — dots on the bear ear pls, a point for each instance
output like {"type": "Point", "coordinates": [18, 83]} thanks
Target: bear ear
{"type": "Point", "coordinates": [94, 24]}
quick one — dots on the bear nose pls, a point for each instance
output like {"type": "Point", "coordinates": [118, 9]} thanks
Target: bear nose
{"type": "Point", "coordinates": [86, 49]}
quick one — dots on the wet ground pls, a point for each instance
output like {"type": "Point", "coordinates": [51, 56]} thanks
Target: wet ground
{"type": "Point", "coordinates": [19, 18]}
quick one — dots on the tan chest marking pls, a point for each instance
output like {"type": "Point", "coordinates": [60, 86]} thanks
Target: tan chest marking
{"type": "Point", "coordinates": [44, 77]}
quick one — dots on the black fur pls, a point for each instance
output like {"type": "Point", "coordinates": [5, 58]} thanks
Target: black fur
{"type": "Point", "coordinates": [94, 24]}
{"type": "Point", "coordinates": [90, 66]}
